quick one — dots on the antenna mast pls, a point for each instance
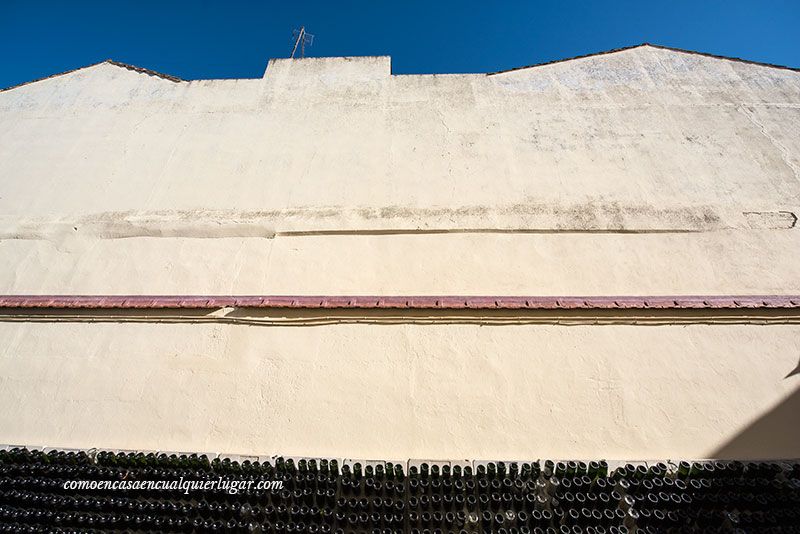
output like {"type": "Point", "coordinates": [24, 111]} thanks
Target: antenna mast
{"type": "Point", "coordinates": [301, 39]}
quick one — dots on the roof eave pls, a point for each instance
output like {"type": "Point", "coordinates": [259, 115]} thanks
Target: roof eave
{"type": "Point", "coordinates": [399, 302]}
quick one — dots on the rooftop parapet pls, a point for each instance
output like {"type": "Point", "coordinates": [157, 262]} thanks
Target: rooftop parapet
{"type": "Point", "coordinates": [328, 70]}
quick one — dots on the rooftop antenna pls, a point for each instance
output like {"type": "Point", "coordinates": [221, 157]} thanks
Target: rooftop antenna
{"type": "Point", "coordinates": [301, 39]}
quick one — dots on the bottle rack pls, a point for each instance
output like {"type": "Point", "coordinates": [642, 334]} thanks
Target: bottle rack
{"type": "Point", "coordinates": [331, 495]}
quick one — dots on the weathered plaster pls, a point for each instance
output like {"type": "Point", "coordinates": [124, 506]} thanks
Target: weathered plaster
{"type": "Point", "coordinates": [645, 171]}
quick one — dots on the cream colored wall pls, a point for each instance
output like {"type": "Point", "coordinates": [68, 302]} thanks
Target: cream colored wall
{"type": "Point", "coordinates": [740, 262]}
{"type": "Point", "coordinates": [398, 391]}
{"type": "Point", "coordinates": [114, 168]}
{"type": "Point", "coordinates": [640, 172]}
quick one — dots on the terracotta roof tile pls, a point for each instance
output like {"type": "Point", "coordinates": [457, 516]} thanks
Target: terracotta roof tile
{"type": "Point", "coordinates": [399, 302]}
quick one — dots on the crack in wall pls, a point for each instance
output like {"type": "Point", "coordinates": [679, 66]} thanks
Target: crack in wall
{"type": "Point", "coordinates": [782, 150]}
{"type": "Point", "coordinates": [521, 218]}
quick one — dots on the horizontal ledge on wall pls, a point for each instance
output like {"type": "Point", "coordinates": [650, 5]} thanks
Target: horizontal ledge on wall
{"type": "Point", "coordinates": [450, 302]}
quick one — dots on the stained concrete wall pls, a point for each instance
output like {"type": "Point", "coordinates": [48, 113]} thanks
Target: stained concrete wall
{"type": "Point", "coordinates": [106, 164]}
{"type": "Point", "coordinates": [690, 162]}
{"type": "Point", "coordinates": [646, 171]}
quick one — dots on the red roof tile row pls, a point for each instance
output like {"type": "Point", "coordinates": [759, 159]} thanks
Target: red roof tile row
{"type": "Point", "coordinates": [399, 302]}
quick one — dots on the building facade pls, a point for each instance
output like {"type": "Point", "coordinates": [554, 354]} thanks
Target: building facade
{"type": "Point", "coordinates": [651, 194]}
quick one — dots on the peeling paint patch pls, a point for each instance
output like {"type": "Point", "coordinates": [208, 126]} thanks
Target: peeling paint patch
{"type": "Point", "coordinates": [773, 220]}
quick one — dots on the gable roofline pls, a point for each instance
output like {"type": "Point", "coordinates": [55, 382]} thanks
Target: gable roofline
{"type": "Point", "coordinates": [149, 72]}
{"type": "Point", "coordinates": [142, 70]}
{"type": "Point", "coordinates": [133, 68]}
{"type": "Point", "coordinates": [661, 47]}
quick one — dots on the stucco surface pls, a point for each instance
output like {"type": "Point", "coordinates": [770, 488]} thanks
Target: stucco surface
{"type": "Point", "coordinates": [644, 171]}
{"type": "Point", "coordinates": [726, 262]}
{"type": "Point", "coordinates": [397, 391]}
{"type": "Point", "coordinates": [640, 141]}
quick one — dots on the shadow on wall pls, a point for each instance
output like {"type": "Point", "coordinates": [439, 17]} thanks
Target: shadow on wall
{"type": "Point", "coordinates": [774, 435]}
{"type": "Point", "coordinates": [795, 371]}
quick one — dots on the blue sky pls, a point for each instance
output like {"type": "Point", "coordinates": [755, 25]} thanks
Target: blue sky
{"type": "Point", "coordinates": [234, 39]}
